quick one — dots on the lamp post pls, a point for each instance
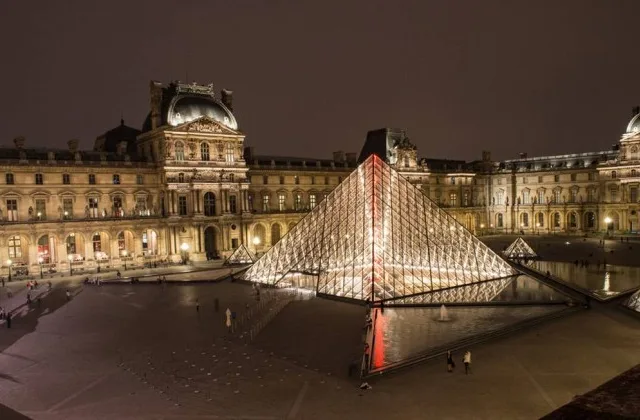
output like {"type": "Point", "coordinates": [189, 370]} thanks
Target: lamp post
{"type": "Point", "coordinates": [70, 257]}
{"type": "Point", "coordinates": [9, 262]}
{"type": "Point", "coordinates": [40, 261]}
{"type": "Point", "coordinates": [184, 247]}
{"type": "Point", "coordinates": [124, 255]}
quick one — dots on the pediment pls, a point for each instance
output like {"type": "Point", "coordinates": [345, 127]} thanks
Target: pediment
{"type": "Point", "coordinates": [205, 125]}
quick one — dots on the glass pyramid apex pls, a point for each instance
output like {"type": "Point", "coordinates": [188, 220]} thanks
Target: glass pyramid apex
{"type": "Point", "coordinates": [241, 255]}
{"type": "Point", "coordinates": [378, 237]}
{"type": "Point", "coordinates": [634, 301]}
{"type": "Point", "coordinates": [520, 249]}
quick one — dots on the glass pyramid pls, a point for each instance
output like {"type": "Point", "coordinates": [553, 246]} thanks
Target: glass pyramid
{"type": "Point", "coordinates": [378, 237]}
{"type": "Point", "coordinates": [240, 256]}
{"type": "Point", "coordinates": [634, 301]}
{"type": "Point", "coordinates": [520, 249]}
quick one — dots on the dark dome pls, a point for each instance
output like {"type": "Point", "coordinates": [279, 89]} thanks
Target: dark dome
{"type": "Point", "coordinates": [185, 108]}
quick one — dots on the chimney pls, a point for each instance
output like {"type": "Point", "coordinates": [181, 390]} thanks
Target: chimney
{"type": "Point", "coordinates": [486, 156]}
{"type": "Point", "coordinates": [227, 98]}
{"type": "Point", "coordinates": [338, 156]}
{"type": "Point", "coordinates": [635, 111]}
{"type": "Point", "coordinates": [523, 155]}
{"type": "Point", "coordinates": [155, 98]}
{"type": "Point", "coordinates": [73, 145]}
{"type": "Point", "coordinates": [352, 157]}
{"type": "Point", "coordinates": [19, 142]}
{"type": "Point", "coordinates": [121, 148]}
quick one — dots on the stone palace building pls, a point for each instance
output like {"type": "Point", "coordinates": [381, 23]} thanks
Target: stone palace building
{"type": "Point", "coordinates": [184, 187]}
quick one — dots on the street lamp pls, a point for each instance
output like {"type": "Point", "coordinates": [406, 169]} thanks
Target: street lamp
{"type": "Point", "coordinates": [256, 241]}
{"type": "Point", "coordinates": [184, 247]}
{"type": "Point", "coordinates": [70, 257]}
{"type": "Point", "coordinates": [40, 261]}
{"type": "Point", "coordinates": [9, 262]}
{"type": "Point", "coordinates": [39, 215]}
{"type": "Point", "coordinates": [124, 255]}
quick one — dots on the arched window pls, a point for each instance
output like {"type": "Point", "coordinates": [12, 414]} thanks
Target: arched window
{"type": "Point", "coordinates": [204, 151]}
{"type": "Point", "coordinates": [275, 233]}
{"type": "Point", "coordinates": [540, 221]}
{"type": "Point", "coordinates": [556, 220]}
{"type": "Point", "coordinates": [524, 220]}
{"type": "Point", "coordinates": [614, 174]}
{"type": "Point", "coordinates": [179, 151]}
{"type": "Point", "coordinates": [180, 177]}
{"type": "Point", "coordinates": [209, 204]}
{"type": "Point", "coordinates": [572, 221]}
{"type": "Point", "coordinates": [590, 220]}
{"type": "Point", "coordinates": [499, 221]}
{"type": "Point", "coordinates": [43, 249]}
{"type": "Point", "coordinates": [15, 247]}
{"type": "Point", "coordinates": [260, 235]}
{"type": "Point", "coordinates": [97, 242]}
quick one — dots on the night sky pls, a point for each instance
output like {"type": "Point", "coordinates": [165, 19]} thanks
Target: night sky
{"type": "Point", "coordinates": [543, 77]}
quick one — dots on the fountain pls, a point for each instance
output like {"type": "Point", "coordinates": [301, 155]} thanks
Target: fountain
{"type": "Point", "coordinates": [444, 316]}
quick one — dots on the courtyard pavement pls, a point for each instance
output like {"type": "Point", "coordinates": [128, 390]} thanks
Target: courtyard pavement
{"type": "Point", "coordinates": [164, 352]}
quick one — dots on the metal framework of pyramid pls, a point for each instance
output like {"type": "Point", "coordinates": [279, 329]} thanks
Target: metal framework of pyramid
{"type": "Point", "coordinates": [634, 301]}
{"type": "Point", "coordinates": [377, 237]}
{"type": "Point", "coordinates": [520, 249]}
{"type": "Point", "coordinates": [240, 256]}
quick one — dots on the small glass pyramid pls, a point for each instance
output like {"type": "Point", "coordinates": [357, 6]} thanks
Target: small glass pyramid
{"type": "Point", "coordinates": [240, 256]}
{"type": "Point", "coordinates": [634, 301]}
{"type": "Point", "coordinates": [520, 249]}
{"type": "Point", "coordinates": [377, 237]}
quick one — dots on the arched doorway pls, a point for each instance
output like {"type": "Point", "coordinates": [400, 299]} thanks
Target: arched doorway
{"type": "Point", "coordinates": [46, 249]}
{"type": "Point", "coordinates": [126, 244]}
{"type": "Point", "coordinates": [499, 221]}
{"type": "Point", "coordinates": [100, 246]}
{"type": "Point", "coordinates": [75, 247]}
{"type": "Point", "coordinates": [18, 251]}
{"type": "Point", "coordinates": [259, 235]}
{"type": "Point", "coordinates": [275, 233]}
{"type": "Point", "coordinates": [210, 243]}
{"type": "Point", "coordinates": [149, 242]}
{"type": "Point", "coordinates": [540, 220]}
{"type": "Point", "coordinates": [572, 221]}
{"type": "Point", "coordinates": [589, 220]}
{"type": "Point", "coordinates": [556, 220]}
{"type": "Point", "coordinates": [524, 220]}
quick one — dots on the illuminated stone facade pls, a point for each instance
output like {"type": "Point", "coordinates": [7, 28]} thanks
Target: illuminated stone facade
{"type": "Point", "coordinates": [185, 187]}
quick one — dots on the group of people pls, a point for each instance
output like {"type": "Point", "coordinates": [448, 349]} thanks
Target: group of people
{"type": "Point", "coordinates": [466, 359]}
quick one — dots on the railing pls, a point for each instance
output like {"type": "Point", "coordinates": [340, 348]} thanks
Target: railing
{"type": "Point", "coordinates": [80, 219]}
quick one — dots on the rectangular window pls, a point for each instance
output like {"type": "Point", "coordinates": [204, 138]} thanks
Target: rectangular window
{"type": "Point", "coordinates": [500, 198]}
{"type": "Point", "coordinates": [141, 205]}
{"type": "Point", "coordinates": [41, 209]}
{"type": "Point", "coordinates": [614, 196]}
{"type": "Point", "coordinates": [265, 203]}
{"type": "Point", "coordinates": [66, 179]}
{"type": "Point", "coordinates": [573, 195]}
{"type": "Point", "coordinates": [574, 177]}
{"type": "Point", "coordinates": [230, 154]}
{"type": "Point", "coordinates": [526, 197]}
{"type": "Point", "coordinates": [633, 194]}
{"type": "Point", "coordinates": [15, 247]}
{"type": "Point", "coordinates": [453, 199]}
{"type": "Point", "coordinates": [9, 179]}
{"type": "Point", "coordinates": [499, 181]}
{"type": "Point", "coordinates": [118, 211]}
{"type": "Point", "coordinates": [67, 208]}
{"type": "Point", "coordinates": [265, 180]}
{"type": "Point", "coordinates": [313, 180]}
{"type": "Point", "coordinates": [39, 180]}
{"type": "Point", "coordinates": [92, 179]}
{"type": "Point", "coordinates": [591, 195]}
{"type": "Point", "coordinates": [540, 197]}
{"type": "Point", "coordinates": [592, 176]}
{"type": "Point", "coordinates": [453, 180]}
{"type": "Point", "coordinates": [281, 180]}
{"type": "Point", "coordinates": [556, 178]}
{"type": "Point", "coordinates": [296, 179]}
{"type": "Point", "coordinates": [556, 196]}
{"type": "Point", "coordinates": [524, 179]}
{"type": "Point", "coordinates": [297, 202]}
{"type": "Point", "coordinates": [312, 201]}
{"type": "Point", "coordinates": [139, 179]}
{"type": "Point", "coordinates": [465, 199]}
{"type": "Point", "coordinates": [93, 207]}
{"type": "Point", "coordinates": [233, 205]}
{"type": "Point", "coordinates": [12, 210]}
{"type": "Point", "coordinates": [540, 180]}
{"type": "Point", "coordinates": [182, 205]}
{"type": "Point", "coordinates": [281, 202]}
{"type": "Point", "coordinates": [116, 179]}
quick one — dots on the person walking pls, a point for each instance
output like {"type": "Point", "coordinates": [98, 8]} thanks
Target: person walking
{"type": "Point", "coordinates": [450, 363]}
{"type": "Point", "coordinates": [9, 320]}
{"type": "Point", "coordinates": [467, 362]}
{"type": "Point", "coordinates": [197, 305]}
{"type": "Point", "coordinates": [68, 295]}
{"type": "Point", "coordinates": [228, 321]}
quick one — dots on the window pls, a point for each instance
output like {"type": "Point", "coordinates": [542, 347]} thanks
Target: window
{"type": "Point", "coordinates": [265, 180]}
{"type": "Point", "coordinates": [453, 199]}
{"type": "Point", "coordinates": [540, 197]}
{"type": "Point", "coordinates": [139, 179]}
{"type": "Point", "coordinates": [39, 180]}
{"type": "Point", "coordinates": [297, 202]}
{"type": "Point", "coordinates": [92, 179]}
{"type": "Point", "coordinates": [590, 219]}
{"type": "Point", "coordinates": [591, 195]}
{"type": "Point", "coordinates": [182, 205]}
{"type": "Point", "coordinates": [275, 233]}
{"type": "Point", "coordinates": [265, 203]}
{"type": "Point", "coordinates": [209, 204]}
{"type": "Point", "coordinates": [281, 180]}
{"type": "Point", "coordinates": [15, 247]}
{"type": "Point", "coordinates": [633, 194]}
{"type": "Point", "coordinates": [12, 210]}
{"type": "Point", "coordinates": [116, 179]}
{"type": "Point", "coordinates": [179, 151]}
{"type": "Point", "coordinates": [312, 201]}
{"type": "Point", "coordinates": [117, 207]}
{"type": "Point", "coordinates": [204, 151]}
{"type": "Point", "coordinates": [556, 196]}
{"type": "Point", "coordinates": [232, 177]}
{"type": "Point", "coordinates": [574, 177]}
{"type": "Point", "coordinates": [465, 199]}
{"type": "Point", "coordinates": [499, 220]}
{"type": "Point", "coordinates": [93, 207]}
{"type": "Point", "coordinates": [9, 179]}
{"type": "Point", "coordinates": [556, 178]}
{"type": "Point", "coordinates": [614, 195]}
{"type": "Point", "coordinates": [526, 197]}
{"type": "Point", "coordinates": [540, 180]}
{"type": "Point", "coordinates": [453, 180]}
{"type": "Point", "coordinates": [524, 220]}
{"type": "Point", "coordinates": [614, 174]}
{"type": "Point", "coordinates": [41, 209]}
{"type": "Point", "coordinates": [633, 172]}
{"type": "Point", "coordinates": [67, 208]}
{"type": "Point", "coordinates": [573, 197]}
{"type": "Point", "coordinates": [250, 202]}
{"type": "Point", "coordinates": [296, 179]}
{"type": "Point", "coordinates": [572, 221]}
{"type": "Point", "coordinates": [96, 241]}
{"type": "Point", "coordinates": [71, 244]}
{"type": "Point", "coordinates": [556, 220]}
{"type": "Point", "coordinates": [141, 205]}
{"type": "Point", "coordinates": [230, 153]}
{"type": "Point", "coordinates": [499, 181]}
{"type": "Point", "coordinates": [500, 198]}
{"type": "Point", "coordinates": [540, 221]}
{"type": "Point", "coordinates": [233, 204]}
{"type": "Point", "coordinates": [180, 177]}
{"type": "Point", "coordinates": [339, 180]}
{"type": "Point", "coordinates": [281, 202]}
{"type": "Point", "coordinates": [66, 179]}
{"type": "Point", "coordinates": [122, 244]}
{"type": "Point", "coordinates": [592, 176]}
{"type": "Point", "coordinates": [313, 180]}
